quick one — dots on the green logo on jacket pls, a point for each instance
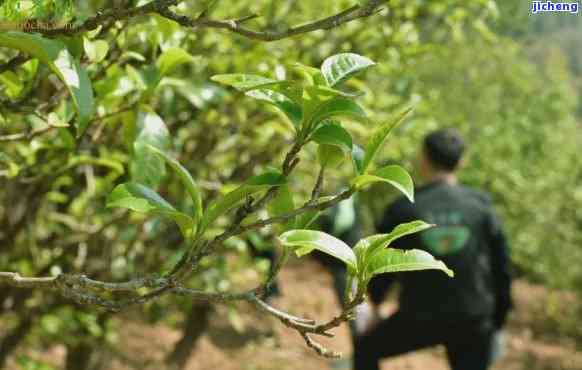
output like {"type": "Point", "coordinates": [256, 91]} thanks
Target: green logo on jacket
{"type": "Point", "coordinates": [445, 240]}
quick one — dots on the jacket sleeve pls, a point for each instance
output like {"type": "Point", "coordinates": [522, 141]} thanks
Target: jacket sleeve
{"type": "Point", "coordinates": [500, 265]}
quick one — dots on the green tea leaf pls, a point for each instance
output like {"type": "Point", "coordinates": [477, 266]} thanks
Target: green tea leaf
{"type": "Point", "coordinates": [140, 198]}
{"type": "Point", "coordinates": [394, 175]}
{"type": "Point", "coordinates": [291, 109]}
{"type": "Point", "coordinates": [186, 178]}
{"type": "Point", "coordinates": [306, 241]}
{"type": "Point", "coordinates": [397, 260]}
{"type": "Point", "coordinates": [200, 96]}
{"type": "Point", "coordinates": [148, 168]}
{"type": "Point", "coordinates": [340, 67]}
{"type": "Point", "coordinates": [330, 155]}
{"type": "Point", "coordinates": [172, 58]}
{"type": "Point", "coordinates": [333, 134]}
{"type": "Point", "coordinates": [243, 82]}
{"type": "Point", "coordinates": [132, 55]}
{"type": "Point", "coordinates": [338, 107]}
{"type": "Point", "coordinates": [230, 200]}
{"type": "Point", "coordinates": [379, 137]}
{"type": "Point", "coordinates": [283, 203]}
{"type": "Point", "coordinates": [56, 55]}
{"type": "Point", "coordinates": [12, 84]}
{"type": "Point", "coordinates": [311, 74]}
{"type": "Point", "coordinates": [285, 95]}
{"type": "Point", "coordinates": [366, 248]}
{"type": "Point", "coordinates": [96, 50]}
{"type": "Point", "coordinates": [312, 98]}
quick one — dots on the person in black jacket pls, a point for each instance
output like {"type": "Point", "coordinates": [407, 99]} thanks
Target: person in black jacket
{"type": "Point", "coordinates": [462, 313]}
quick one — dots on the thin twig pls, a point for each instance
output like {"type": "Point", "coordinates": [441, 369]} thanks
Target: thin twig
{"type": "Point", "coordinates": [161, 7]}
{"type": "Point", "coordinates": [321, 350]}
{"type": "Point", "coordinates": [26, 135]}
{"type": "Point", "coordinates": [30, 135]}
{"type": "Point", "coordinates": [348, 15]}
{"type": "Point", "coordinates": [13, 63]}
{"type": "Point", "coordinates": [318, 184]}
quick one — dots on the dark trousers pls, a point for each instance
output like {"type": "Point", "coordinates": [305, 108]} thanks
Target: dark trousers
{"type": "Point", "coordinates": [468, 342]}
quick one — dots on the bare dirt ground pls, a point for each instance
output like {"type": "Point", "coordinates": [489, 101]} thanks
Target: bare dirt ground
{"type": "Point", "coordinates": [260, 343]}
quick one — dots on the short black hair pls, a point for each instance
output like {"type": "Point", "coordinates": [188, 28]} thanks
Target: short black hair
{"type": "Point", "coordinates": [444, 148]}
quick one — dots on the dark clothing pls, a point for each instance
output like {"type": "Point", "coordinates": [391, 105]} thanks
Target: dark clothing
{"type": "Point", "coordinates": [468, 239]}
{"type": "Point", "coordinates": [461, 312]}
{"type": "Point", "coordinates": [468, 343]}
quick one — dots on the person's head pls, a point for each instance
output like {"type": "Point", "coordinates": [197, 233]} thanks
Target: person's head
{"type": "Point", "coordinates": [442, 153]}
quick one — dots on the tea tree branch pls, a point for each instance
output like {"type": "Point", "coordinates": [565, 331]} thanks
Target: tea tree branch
{"type": "Point", "coordinates": [235, 26]}
{"type": "Point", "coordinates": [242, 203]}
{"type": "Point", "coordinates": [75, 287]}
{"type": "Point", "coordinates": [162, 7]}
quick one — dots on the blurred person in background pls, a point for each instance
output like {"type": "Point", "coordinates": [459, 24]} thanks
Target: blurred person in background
{"type": "Point", "coordinates": [466, 313]}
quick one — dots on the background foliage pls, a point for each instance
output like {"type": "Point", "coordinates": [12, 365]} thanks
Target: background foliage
{"type": "Point", "coordinates": [481, 66]}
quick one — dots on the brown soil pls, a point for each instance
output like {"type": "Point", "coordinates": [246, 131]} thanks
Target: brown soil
{"type": "Point", "coordinates": [261, 343]}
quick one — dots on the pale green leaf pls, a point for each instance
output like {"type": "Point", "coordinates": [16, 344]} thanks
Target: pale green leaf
{"type": "Point", "coordinates": [96, 50]}
{"type": "Point", "coordinates": [397, 260]}
{"type": "Point", "coordinates": [366, 248]}
{"type": "Point", "coordinates": [282, 204]}
{"type": "Point", "coordinates": [394, 175]}
{"type": "Point", "coordinates": [338, 107]}
{"type": "Point", "coordinates": [333, 134]}
{"type": "Point", "coordinates": [56, 55]}
{"type": "Point", "coordinates": [291, 109]}
{"type": "Point", "coordinates": [305, 241]}
{"type": "Point", "coordinates": [132, 55]}
{"type": "Point", "coordinates": [243, 82]}
{"type": "Point", "coordinates": [186, 178]}
{"type": "Point", "coordinates": [147, 167]}
{"type": "Point", "coordinates": [285, 95]}
{"type": "Point", "coordinates": [379, 137]}
{"type": "Point", "coordinates": [11, 84]}
{"type": "Point", "coordinates": [232, 199]}
{"type": "Point", "coordinates": [93, 33]}
{"type": "Point", "coordinates": [140, 198]}
{"type": "Point", "coordinates": [200, 96]}
{"type": "Point", "coordinates": [311, 74]}
{"type": "Point", "coordinates": [172, 58]}
{"type": "Point", "coordinates": [340, 67]}
{"type": "Point", "coordinates": [330, 156]}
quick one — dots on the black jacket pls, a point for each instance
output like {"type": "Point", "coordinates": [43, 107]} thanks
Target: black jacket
{"type": "Point", "coordinates": [468, 239]}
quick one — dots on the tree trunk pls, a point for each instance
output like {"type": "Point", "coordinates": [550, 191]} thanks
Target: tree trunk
{"type": "Point", "coordinates": [195, 325]}
{"type": "Point", "coordinates": [9, 343]}
{"type": "Point", "coordinates": [79, 356]}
